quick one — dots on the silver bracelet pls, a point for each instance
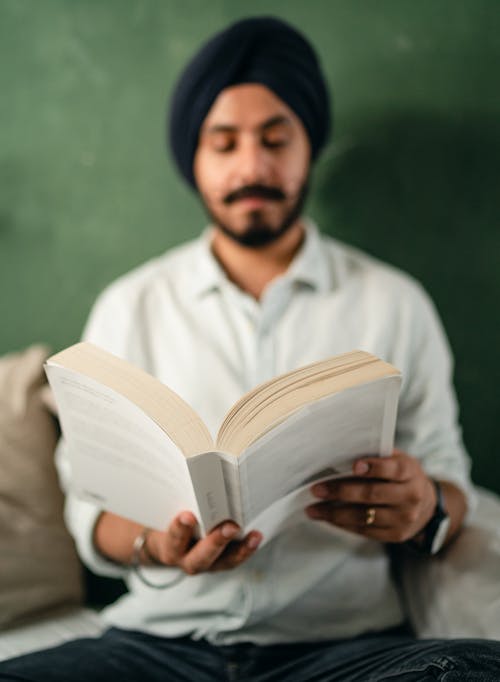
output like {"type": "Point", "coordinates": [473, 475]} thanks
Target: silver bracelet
{"type": "Point", "coordinates": [137, 547]}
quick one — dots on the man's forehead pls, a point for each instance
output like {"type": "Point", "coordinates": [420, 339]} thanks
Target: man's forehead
{"type": "Point", "coordinates": [248, 105]}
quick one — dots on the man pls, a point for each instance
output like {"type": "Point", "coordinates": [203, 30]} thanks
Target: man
{"type": "Point", "coordinates": [259, 293]}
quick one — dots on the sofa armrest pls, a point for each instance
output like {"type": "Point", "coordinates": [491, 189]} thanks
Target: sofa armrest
{"type": "Point", "coordinates": [457, 593]}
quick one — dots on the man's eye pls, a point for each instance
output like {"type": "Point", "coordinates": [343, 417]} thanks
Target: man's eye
{"type": "Point", "coordinates": [274, 142]}
{"type": "Point", "coordinates": [223, 144]}
{"type": "Point", "coordinates": [221, 148]}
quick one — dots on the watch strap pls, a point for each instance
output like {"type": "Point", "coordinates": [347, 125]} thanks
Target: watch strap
{"type": "Point", "coordinates": [434, 532]}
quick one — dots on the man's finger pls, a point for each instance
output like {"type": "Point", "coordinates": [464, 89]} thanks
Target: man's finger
{"type": "Point", "coordinates": [177, 538]}
{"type": "Point", "coordinates": [397, 467]}
{"type": "Point", "coordinates": [238, 552]}
{"type": "Point", "coordinates": [206, 551]}
{"type": "Point", "coordinates": [359, 491]}
{"type": "Point", "coordinates": [353, 516]}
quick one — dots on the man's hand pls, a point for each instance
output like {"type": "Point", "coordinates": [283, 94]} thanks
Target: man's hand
{"type": "Point", "coordinates": [114, 538]}
{"type": "Point", "coordinates": [217, 551]}
{"type": "Point", "coordinates": [390, 499]}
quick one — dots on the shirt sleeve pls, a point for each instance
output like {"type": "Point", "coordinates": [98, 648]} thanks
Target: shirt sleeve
{"type": "Point", "coordinates": [427, 424]}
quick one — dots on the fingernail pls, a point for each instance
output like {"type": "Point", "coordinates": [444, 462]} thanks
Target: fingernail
{"type": "Point", "coordinates": [361, 467]}
{"type": "Point", "coordinates": [253, 541]}
{"type": "Point", "coordinates": [313, 512]}
{"type": "Point", "coordinates": [186, 519]}
{"type": "Point", "coordinates": [320, 490]}
{"type": "Point", "coordinates": [228, 531]}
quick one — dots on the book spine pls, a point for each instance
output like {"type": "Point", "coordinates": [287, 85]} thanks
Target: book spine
{"type": "Point", "coordinates": [209, 488]}
{"type": "Point", "coordinates": [232, 480]}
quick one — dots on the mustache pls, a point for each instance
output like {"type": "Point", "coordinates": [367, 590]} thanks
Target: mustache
{"type": "Point", "coordinates": [260, 191]}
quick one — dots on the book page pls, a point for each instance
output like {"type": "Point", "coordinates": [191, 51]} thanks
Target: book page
{"type": "Point", "coordinates": [164, 406]}
{"type": "Point", "coordinates": [283, 513]}
{"type": "Point", "coordinates": [319, 441]}
{"type": "Point", "coordinates": [262, 408]}
{"type": "Point", "coordinates": [121, 460]}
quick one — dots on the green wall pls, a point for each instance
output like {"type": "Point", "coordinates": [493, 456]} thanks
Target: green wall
{"type": "Point", "coordinates": [87, 191]}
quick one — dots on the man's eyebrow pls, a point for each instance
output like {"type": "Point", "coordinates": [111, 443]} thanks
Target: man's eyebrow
{"type": "Point", "coordinates": [227, 128]}
{"type": "Point", "coordinates": [220, 128]}
{"type": "Point", "coordinates": [275, 121]}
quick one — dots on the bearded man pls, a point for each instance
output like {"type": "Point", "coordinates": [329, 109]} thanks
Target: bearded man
{"type": "Point", "coordinates": [262, 291]}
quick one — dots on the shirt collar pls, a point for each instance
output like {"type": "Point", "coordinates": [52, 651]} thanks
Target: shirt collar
{"type": "Point", "coordinates": [309, 266]}
{"type": "Point", "coordinates": [208, 274]}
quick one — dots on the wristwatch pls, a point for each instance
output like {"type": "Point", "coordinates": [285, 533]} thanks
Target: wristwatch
{"type": "Point", "coordinates": [436, 530]}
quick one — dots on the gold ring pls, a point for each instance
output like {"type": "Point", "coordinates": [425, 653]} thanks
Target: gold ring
{"type": "Point", "coordinates": [370, 516]}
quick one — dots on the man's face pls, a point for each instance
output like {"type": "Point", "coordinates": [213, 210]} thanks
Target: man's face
{"type": "Point", "coordinates": [252, 164]}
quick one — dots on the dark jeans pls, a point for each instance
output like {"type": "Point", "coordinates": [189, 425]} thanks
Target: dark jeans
{"type": "Point", "coordinates": [137, 657]}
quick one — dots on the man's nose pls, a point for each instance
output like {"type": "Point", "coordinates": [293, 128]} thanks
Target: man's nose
{"type": "Point", "coordinates": [252, 163]}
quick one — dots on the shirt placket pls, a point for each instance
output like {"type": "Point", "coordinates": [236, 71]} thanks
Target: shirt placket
{"type": "Point", "coordinates": [272, 307]}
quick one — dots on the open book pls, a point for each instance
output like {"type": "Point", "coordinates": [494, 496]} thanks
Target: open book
{"type": "Point", "coordinates": [137, 449]}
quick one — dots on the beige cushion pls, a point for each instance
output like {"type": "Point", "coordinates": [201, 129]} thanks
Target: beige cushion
{"type": "Point", "coordinates": [39, 569]}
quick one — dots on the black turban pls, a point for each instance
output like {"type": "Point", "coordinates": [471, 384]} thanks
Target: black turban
{"type": "Point", "coordinates": [257, 50]}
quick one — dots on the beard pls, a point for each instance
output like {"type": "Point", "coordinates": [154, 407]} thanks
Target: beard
{"type": "Point", "coordinates": [259, 233]}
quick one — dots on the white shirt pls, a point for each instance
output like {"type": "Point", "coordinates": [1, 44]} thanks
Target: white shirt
{"type": "Point", "coordinates": [182, 320]}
